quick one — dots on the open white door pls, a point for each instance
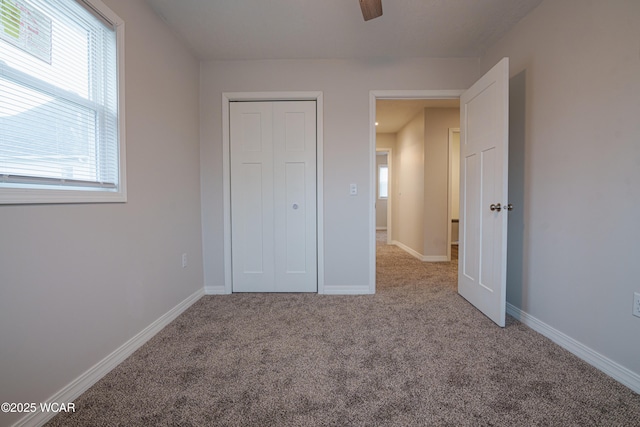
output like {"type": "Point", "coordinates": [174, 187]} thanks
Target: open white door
{"type": "Point", "coordinates": [484, 145]}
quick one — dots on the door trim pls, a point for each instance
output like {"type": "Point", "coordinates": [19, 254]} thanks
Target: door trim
{"type": "Point", "coordinates": [228, 97]}
{"type": "Point", "coordinates": [373, 96]}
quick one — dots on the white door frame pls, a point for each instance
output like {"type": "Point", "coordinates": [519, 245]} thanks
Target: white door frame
{"type": "Point", "coordinates": [373, 96]}
{"type": "Point", "coordinates": [228, 97]}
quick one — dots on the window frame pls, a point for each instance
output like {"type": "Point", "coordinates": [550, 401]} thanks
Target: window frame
{"type": "Point", "coordinates": [13, 193]}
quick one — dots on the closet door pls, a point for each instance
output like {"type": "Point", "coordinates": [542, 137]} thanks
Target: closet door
{"type": "Point", "coordinates": [273, 196]}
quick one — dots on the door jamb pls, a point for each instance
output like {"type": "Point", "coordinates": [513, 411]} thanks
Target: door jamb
{"type": "Point", "coordinates": [228, 97]}
{"type": "Point", "coordinates": [373, 96]}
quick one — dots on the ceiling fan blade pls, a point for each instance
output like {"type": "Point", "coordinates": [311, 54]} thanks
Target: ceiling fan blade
{"type": "Point", "coordinates": [371, 9]}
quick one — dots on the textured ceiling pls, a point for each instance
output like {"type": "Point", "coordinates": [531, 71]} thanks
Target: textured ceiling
{"type": "Point", "coordinates": [297, 29]}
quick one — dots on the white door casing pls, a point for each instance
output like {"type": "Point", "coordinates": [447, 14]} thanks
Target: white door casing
{"type": "Point", "coordinates": [484, 137]}
{"type": "Point", "coordinates": [273, 196]}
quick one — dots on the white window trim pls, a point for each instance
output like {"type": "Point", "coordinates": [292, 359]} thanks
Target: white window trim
{"type": "Point", "coordinates": [44, 195]}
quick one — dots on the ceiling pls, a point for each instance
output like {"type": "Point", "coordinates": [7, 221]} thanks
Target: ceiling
{"type": "Point", "coordinates": [393, 114]}
{"type": "Point", "coordinates": [322, 29]}
{"type": "Point", "coordinates": [305, 29]}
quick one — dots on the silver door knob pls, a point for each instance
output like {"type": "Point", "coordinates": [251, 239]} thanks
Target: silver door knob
{"type": "Point", "coordinates": [509, 207]}
{"type": "Point", "coordinates": [497, 207]}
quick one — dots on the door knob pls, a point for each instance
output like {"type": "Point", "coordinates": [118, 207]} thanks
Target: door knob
{"type": "Point", "coordinates": [295, 206]}
{"type": "Point", "coordinates": [509, 207]}
{"type": "Point", "coordinates": [497, 207]}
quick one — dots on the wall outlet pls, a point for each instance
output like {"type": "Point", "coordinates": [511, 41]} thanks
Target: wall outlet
{"type": "Point", "coordinates": [184, 260]}
{"type": "Point", "coordinates": [636, 304]}
{"type": "Point", "coordinates": [353, 189]}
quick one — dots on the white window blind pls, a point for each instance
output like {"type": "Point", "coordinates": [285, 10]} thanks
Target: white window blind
{"type": "Point", "coordinates": [59, 125]}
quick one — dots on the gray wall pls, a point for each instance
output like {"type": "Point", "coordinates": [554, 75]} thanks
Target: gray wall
{"type": "Point", "coordinates": [408, 224]}
{"type": "Point", "coordinates": [575, 169]}
{"type": "Point", "coordinates": [437, 122]}
{"type": "Point", "coordinates": [345, 85]}
{"type": "Point", "coordinates": [78, 281]}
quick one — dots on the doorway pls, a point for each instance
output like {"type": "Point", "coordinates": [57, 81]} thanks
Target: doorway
{"type": "Point", "coordinates": [484, 109]}
{"type": "Point", "coordinates": [384, 193]}
{"type": "Point", "coordinates": [374, 96]}
{"type": "Point", "coordinates": [420, 214]}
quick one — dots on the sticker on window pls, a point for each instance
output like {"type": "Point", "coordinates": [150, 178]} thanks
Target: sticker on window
{"type": "Point", "coordinates": [26, 28]}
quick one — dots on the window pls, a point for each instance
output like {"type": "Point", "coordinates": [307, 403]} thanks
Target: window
{"type": "Point", "coordinates": [383, 181]}
{"type": "Point", "coordinates": [61, 133]}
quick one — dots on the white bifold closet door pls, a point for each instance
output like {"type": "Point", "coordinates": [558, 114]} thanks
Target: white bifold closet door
{"type": "Point", "coordinates": [273, 196]}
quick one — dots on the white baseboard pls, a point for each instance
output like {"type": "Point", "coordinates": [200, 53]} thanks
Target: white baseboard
{"type": "Point", "coordinates": [416, 254]}
{"type": "Point", "coordinates": [614, 370]}
{"type": "Point", "coordinates": [381, 228]}
{"type": "Point", "coordinates": [81, 384]}
{"type": "Point", "coordinates": [215, 290]}
{"type": "Point", "coordinates": [328, 290]}
{"type": "Point", "coordinates": [435, 258]}
{"type": "Point", "coordinates": [407, 249]}
{"type": "Point", "coordinates": [346, 290]}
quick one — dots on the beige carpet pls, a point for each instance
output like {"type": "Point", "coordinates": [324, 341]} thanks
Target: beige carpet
{"type": "Point", "coordinates": [414, 354]}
